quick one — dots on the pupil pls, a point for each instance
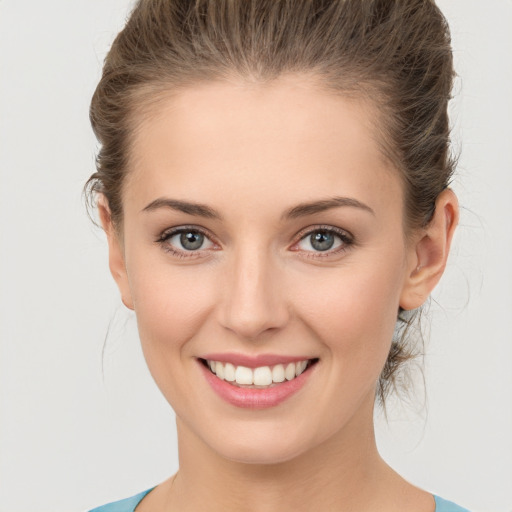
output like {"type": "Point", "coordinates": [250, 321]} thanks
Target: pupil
{"type": "Point", "coordinates": [191, 240]}
{"type": "Point", "coordinates": [322, 240]}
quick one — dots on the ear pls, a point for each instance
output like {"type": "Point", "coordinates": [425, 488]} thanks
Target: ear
{"type": "Point", "coordinates": [115, 253]}
{"type": "Point", "coordinates": [429, 252]}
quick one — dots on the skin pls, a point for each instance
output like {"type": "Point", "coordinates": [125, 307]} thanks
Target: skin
{"type": "Point", "coordinates": [252, 152]}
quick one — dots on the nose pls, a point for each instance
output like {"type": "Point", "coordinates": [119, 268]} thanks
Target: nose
{"type": "Point", "coordinates": [253, 302]}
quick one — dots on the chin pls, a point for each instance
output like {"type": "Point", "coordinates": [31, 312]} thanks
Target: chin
{"type": "Point", "coordinates": [260, 456]}
{"type": "Point", "coordinates": [263, 448]}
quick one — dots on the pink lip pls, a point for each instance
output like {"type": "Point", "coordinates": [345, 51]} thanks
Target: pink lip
{"type": "Point", "coordinates": [254, 398]}
{"type": "Point", "coordinates": [253, 361]}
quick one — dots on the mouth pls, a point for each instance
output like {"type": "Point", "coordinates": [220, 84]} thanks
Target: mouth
{"type": "Point", "coordinates": [261, 377]}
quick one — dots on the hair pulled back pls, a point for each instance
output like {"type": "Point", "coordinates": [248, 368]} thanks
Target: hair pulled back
{"type": "Point", "coordinates": [396, 53]}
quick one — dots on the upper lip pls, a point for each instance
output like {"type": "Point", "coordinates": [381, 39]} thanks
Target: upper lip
{"type": "Point", "coordinates": [253, 361]}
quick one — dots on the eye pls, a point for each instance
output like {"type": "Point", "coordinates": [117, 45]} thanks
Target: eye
{"type": "Point", "coordinates": [189, 240]}
{"type": "Point", "coordinates": [324, 240]}
{"type": "Point", "coordinates": [185, 240]}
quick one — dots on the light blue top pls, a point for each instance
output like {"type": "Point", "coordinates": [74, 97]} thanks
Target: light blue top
{"type": "Point", "coordinates": [126, 505]}
{"type": "Point", "coordinates": [129, 504]}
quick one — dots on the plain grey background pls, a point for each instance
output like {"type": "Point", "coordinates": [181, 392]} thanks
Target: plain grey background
{"type": "Point", "coordinates": [73, 435]}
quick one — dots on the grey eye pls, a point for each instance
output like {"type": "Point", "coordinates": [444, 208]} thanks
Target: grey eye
{"type": "Point", "coordinates": [322, 240]}
{"type": "Point", "coordinates": [189, 240]}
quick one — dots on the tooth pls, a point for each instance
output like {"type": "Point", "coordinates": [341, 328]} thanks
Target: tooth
{"type": "Point", "coordinates": [243, 375]}
{"type": "Point", "coordinates": [211, 364]}
{"type": "Point", "coordinates": [289, 373]}
{"type": "Point", "coordinates": [300, 366]}
{"type": "Point", "coordinates": [229, 372]}
{"type": "Point", "coordinates": [262, 376]}
{"type": "Point", "coordinates": [278, 373]}
{"type": "Point", "coordinates": [219, 370]}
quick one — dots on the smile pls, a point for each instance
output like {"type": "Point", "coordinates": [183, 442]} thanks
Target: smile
{"type": "Point", "coordinates": [256, 381]}
{"type": "Point", "coordinates": [261, 377]}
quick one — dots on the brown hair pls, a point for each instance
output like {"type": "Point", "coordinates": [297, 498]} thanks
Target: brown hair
{"type": "Point", "coordinates": [396, 52]}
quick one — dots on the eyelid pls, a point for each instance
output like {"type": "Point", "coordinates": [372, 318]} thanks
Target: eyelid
{"type": "Point", "coordinates": [324, 227]}
{"type": "Point", "coordinates": [346, 237]}
{"type": "Point", "coordinates": [168, 233]}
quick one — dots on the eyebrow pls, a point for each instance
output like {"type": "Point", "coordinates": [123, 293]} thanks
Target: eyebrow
{"type": "Point", "coordinates": [197, 209]}
{"type": "Point", "coordinates": [301, 210]}
{"type": "Point", "coordinates": [313, 207]}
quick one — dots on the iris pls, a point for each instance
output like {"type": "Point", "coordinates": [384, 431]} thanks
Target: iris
{"type": "Point", "coordinates": [322, 240]}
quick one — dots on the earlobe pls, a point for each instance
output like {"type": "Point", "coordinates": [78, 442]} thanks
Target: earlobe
{"type": "Point", "coordinates": [430, 252]}
{"type": "Point", "coordinates": [116, 258]}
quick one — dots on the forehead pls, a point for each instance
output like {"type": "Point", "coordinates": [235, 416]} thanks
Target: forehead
{"type": "Point", "coordinates": [285, 141]}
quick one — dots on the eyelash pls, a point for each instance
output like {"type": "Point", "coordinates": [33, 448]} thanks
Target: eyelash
{"type": "Point", "coordinates": [346, 238]}
{"type": "Point", "coordinates": [167, 235]}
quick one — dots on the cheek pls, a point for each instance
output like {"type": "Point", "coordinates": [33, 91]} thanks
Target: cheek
{"type": "Point", "coordinates": [172, 305]}
{"type": "Point", "coordinates": [353, 312]}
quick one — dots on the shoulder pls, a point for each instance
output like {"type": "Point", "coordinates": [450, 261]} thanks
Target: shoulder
{"type": "Point", "coordinates": [126, 505]}
{"type": "Point", "coordinates": [447, 506]}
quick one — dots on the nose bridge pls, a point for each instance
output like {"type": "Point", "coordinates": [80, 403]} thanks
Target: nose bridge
{"type": "Point", "coordinates": [253, 302]}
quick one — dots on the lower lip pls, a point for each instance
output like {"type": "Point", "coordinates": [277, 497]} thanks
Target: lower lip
{"type": "Point", "coordinates": [254, 398]}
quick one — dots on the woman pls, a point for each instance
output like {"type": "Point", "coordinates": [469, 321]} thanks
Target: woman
{"type": "Point", "coordinates": [273, 182]}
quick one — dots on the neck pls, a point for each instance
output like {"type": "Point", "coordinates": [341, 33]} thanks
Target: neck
{"type": "Point", "coordinates": [345, 472]}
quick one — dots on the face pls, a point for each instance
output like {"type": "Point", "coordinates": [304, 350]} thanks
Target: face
{"type": "Point", "coordinates": [262, 227]}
